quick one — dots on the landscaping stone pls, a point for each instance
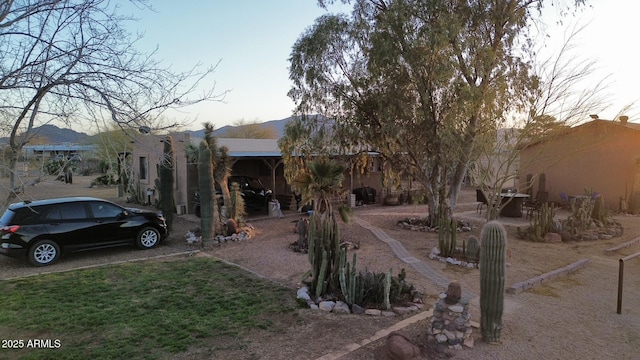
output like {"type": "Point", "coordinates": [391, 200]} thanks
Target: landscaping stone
{"type": "Point", "coordinates": [450, 325]}
{"type": "Point", "coordinates": [399, 347]}
{"type": "Point", "coordinates": [326, 305]}
{"type": "Point", "coordinates": [341, 308]}
{"type": "Point", "coordinates": [552, 237]}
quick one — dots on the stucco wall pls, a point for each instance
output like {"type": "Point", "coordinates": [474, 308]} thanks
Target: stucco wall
{"type": "Point", "coordinates": [599, 155]}
{"type": "Point", "coordinates": [151, 147]}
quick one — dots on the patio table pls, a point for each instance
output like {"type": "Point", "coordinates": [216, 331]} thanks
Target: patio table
{"type": "Point", "coordinates": [512, 204]}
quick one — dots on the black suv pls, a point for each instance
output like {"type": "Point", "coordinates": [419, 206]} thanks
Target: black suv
{"type": "Point", "coordinates": [41, 229]}
{"type": "Point", "coordinates": [256, 196]}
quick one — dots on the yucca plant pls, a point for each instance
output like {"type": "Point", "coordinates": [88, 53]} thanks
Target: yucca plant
{"type": "Point", "coordinates": [208, 211]}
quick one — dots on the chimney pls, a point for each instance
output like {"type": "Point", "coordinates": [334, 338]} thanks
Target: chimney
{"type": "Point", "coordinates": [623, 119]}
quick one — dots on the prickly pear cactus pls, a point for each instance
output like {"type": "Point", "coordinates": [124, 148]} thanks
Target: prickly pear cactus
{"type": "Point", "coordinates": [492, 279]}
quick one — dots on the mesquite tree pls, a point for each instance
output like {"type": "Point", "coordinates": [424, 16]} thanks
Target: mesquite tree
{"type": "Point", "coordinates": [416, 81]}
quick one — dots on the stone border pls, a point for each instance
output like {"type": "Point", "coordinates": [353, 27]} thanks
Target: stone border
{"type": "Point", "coordinates": [540, 279]}
{"type": "Point", "coordinates": [623, 245]}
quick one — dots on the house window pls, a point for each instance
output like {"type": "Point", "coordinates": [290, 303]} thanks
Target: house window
{"type": "Point", "coordinates": [144, 168]}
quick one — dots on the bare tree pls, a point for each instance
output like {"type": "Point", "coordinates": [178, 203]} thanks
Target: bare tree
{"type": "Point", "coordinates": [73, 60]}
{"type": "Point", "coordinates": [561, 100]}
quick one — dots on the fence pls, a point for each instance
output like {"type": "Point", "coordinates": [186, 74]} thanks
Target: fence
{"type": "Point", "coordinates": [621, 278]}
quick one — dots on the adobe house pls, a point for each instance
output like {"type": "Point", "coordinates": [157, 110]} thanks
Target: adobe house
{"type": "Point", "coordinates": [259, 158]}
{"type": "Point", "coordinates": [602, 156]}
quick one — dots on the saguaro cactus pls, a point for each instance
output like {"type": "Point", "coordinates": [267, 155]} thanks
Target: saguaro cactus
{"type": "Point", "coordinates": [492, 279]}
{"type": "Point", "coordinates": [207, 195]}
{"type": "Point", "coordinates": [167, 181]}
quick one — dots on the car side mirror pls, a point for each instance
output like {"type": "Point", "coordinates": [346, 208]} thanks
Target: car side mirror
{"type": "Point", "coordinates": [123, 214]}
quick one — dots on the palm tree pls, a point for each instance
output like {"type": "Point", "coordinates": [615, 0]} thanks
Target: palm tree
{"type": "Point", "coordinates": [321, 183]}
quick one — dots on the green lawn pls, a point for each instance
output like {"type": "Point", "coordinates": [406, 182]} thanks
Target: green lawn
{"type": "Point", "coordinates": [137, 311]}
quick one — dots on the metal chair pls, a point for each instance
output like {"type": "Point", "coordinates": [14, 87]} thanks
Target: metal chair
{"type": "Point", "coordinates": [542, 197]}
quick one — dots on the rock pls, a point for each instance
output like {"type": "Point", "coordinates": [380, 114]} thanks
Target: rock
{"type": "Point", "coordinates": [303, 293]}
{"type": "Point", "coordinates": [232, 227]}
{"type": "Point", "coordinates": [326, 305]}
{"type": "Point", "coordinates": [454, 292]}
{"type": "Point", "coordinates": [453, 261]}
{"type": "Point", "coordinates": [388, 313]}
{"type": "Point", "coordinates": [374, 312]}
{"type": "Point", "coordinates": [456, 308]}
{"type": "Point", "coordinates": [341, 308]}
{"type": "Point", "coordinates": [469, 342]}
{"type": "Point", "coordinates": [450, 335]}
{"type": "Point", "coordinates": [357, 309]}
{"type": "Point", "coordinates": [399, 347]}
{"type": "Point", "coordinates": [552, 237]}
{"type": "Point", "coordinates": [401, 310]}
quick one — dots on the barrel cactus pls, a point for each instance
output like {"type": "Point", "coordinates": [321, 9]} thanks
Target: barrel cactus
{"type": "Point", "coordinates": [492, 279]}
{"type": "Point", "coordinates": [472, 251]}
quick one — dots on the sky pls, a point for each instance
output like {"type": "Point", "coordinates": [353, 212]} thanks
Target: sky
{"type": "Point", "coordinates": [252, 40]}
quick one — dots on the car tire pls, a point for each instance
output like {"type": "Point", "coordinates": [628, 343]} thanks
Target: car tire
{"type": "Point", "coordinates": [44, 252]}
{"type": "Point", "coordinates": [148, 238]}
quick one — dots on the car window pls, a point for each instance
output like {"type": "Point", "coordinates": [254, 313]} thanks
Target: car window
{"type": "Point", "coordinates": [105, 210]}
{"type": "Point", "coordinates": [8, 218]}
{"type": "Point", "coordinates": [26, 215]}
{"type": "Point", "coordinates": [69, 211]}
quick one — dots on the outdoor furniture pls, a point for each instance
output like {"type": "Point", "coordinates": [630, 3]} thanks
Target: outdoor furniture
{"type": "Point", "coordinates": [542, 197]}
{"type": "Point", "coordinates": [512, 204]}
{"type": "Point", "coordinates": [564, 200]}
{"type": "Point", "coordinates": [482, 199]}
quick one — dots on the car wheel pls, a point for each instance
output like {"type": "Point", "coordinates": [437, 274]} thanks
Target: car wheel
{"type": "Point", "coordinates": [148, 238]}
{"type": "Point", "coordinates": [44, 252]}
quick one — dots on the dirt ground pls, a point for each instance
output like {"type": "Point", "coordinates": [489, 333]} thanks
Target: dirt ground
{"type": "Point", "coordinates": [573, 317]}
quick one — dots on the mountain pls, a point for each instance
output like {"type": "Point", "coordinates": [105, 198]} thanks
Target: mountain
{"type": "Point", "coordinates": [54, 135]}
{"type": "Point", "coordinates": [57, 135]}
{"type": "Point", "coordinates": [278, 125]}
